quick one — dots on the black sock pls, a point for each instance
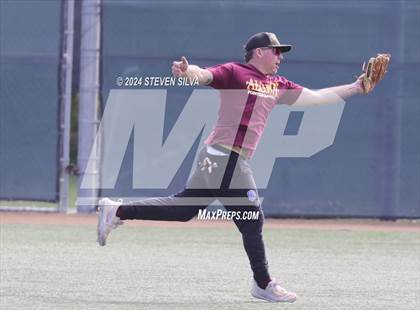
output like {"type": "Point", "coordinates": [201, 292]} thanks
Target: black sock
{"type": "Point", "coordinates": [262, 283]}
{"type": "Point", "coordinates": [119, 212]}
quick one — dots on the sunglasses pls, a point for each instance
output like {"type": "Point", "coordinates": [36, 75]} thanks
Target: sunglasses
{"type": "Point", "coordinates": [276, 50]}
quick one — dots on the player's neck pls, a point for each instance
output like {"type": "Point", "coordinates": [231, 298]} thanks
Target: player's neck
{"type": "Point", "coordinates": [257, 66]}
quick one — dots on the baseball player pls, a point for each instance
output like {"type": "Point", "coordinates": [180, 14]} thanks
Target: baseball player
{"type": "Point", "coordinates": [222, 171]}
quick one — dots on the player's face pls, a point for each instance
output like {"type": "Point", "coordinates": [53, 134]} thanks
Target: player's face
{"type": "Point", "coordinates": [271, 58]}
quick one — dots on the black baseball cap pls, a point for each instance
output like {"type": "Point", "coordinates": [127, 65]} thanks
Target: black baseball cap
{"type": "Point", "coordinates": [265, 39]}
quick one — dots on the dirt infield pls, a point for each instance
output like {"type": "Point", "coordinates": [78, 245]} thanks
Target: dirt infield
{"type": "Point", "coordinates": [321, 224]}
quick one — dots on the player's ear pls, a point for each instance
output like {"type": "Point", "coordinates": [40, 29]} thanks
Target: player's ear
{"type": "Point", "coordinates": [258, 52]}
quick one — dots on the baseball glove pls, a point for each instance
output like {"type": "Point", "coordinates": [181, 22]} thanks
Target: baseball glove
{"type": "Point", "coordinates": [374, 71]}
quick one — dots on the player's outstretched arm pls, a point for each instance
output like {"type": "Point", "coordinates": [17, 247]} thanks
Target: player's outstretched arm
{"type": "Point", "coordinates": [365, 83]}
{"type": "Point", "coordinates": [183, 69]}
{"type": "Point", "coordinates": [328, 95]}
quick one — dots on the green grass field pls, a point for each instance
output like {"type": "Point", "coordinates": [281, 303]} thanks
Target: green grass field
{"type": "Point", "coordinates": [61, 267]}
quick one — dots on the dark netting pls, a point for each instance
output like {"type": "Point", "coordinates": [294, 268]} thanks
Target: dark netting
{"type": "Point", "coordinates": [29, 62]}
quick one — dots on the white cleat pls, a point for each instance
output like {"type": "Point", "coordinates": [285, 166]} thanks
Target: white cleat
{"type": "Point", "coordinates": [273, 292]}
{"type": "Point", "coordinates": [107, 218]}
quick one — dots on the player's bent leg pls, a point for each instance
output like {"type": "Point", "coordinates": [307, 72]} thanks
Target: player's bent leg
{"type": "Point", "coordinates": [107, 219]}
{"type": "Point", "coordinates": [112, 213]}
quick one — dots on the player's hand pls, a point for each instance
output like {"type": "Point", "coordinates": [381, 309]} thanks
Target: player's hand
{"type": "Point", "coordinates": [179, 68]}
{"type": "Point", "coordinates": [359, 82]}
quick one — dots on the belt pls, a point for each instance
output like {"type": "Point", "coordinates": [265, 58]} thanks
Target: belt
{"type": "Point", "coordinates": [227, 150]}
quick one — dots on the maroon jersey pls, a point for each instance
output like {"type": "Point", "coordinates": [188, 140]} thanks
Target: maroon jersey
{"type": "Point", "coordinates": [246, 98]}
